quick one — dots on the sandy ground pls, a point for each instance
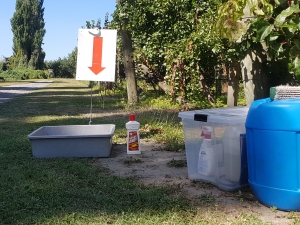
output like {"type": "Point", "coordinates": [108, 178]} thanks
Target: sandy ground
{"type": "Point", "coordinates": [151, 167]}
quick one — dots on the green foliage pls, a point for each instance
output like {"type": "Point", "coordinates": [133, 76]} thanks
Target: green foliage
{"type": "Point", "coordinates": [157, 100]}
{"type": "Point", "coordinates": [221, 101]}
{"type": "Point", "coordinates": [176, 42]}
{"type": "Point", "coordinates": [28, 30]}
{"type": "Point", "coordinates": [92, 24]}
{"type": "Point", "coordinates": [274, 24]}
{"type": "Point", "coordinates": [11, 75]}
{"type": "Point", "coordinates": [17, 60]}
{"type": "Point", "coordinates": [64, 68]}
{"type": "Point", "coordinates": [228, 24]}
{"type": "Point", "coordinates": [193, 59]}
{"type": "Point", "coordinates": [106, 21]}
{"type": "Point", "coordinates": [24, 74]}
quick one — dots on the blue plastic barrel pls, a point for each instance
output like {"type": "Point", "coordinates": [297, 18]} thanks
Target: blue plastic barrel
{"type": "Point", "coordinates": [273, 149]}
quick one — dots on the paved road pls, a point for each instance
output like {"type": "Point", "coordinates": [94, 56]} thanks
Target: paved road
{"type": "Point", "coordinates": [9, 92]}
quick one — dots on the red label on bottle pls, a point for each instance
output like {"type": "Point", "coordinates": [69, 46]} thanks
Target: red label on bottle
{"type": "Point", "coordinates": [133, 141]}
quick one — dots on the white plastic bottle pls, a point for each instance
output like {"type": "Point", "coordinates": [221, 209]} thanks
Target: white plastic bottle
{"type": "Point", "coordinates": [207, 160]}
{"type": "Point", "coordinates": [133, 136]}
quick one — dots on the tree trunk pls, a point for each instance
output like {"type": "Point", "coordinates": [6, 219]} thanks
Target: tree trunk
{"type": "Point", "coordinates": [91, 84]}
{"type": "Point", "coordinates": [206, 90]}
{"type": "Point", "coordinates": [163, 86]}
{"type": "Point", "coordinates": [234, 72]}
{"type": "Point", "coordinates": [256, 85]}
{"type": "Point", "coordinates": [129, 67]}
{"type": "Point", "coordinates": [105, 85]}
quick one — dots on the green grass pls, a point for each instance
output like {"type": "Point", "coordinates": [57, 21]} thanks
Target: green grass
{"type": "Point", "coordinates": [177, 163]}
{"type": "Point", "coordinates": [73, 191]}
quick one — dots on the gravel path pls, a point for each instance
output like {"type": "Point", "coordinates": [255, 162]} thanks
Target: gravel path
{"type": "Point", "coordinates": [9, 92]}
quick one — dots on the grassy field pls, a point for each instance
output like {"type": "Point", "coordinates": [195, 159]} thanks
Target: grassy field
{"type": "Point", "coordinates": [72, 191]}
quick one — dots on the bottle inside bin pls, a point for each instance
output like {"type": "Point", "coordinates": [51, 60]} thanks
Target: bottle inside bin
{"type": "Point", "coordinates": [207, 160]}
{"type": "Point", "coordinates": [232, 152]}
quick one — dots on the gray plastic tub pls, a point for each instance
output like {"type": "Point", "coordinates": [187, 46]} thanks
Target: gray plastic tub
{"type": "Point", "coordinates": [72, 141]}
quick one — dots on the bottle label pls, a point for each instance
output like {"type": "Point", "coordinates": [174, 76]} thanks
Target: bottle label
{"type": "Point", "coordinates": [203, 162]}
{"type": "Point", "coordinates": [133, 142]}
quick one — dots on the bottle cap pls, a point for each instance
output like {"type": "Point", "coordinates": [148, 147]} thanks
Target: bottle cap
{"type": "Point", "coordinates": [206, 132]}
{"type": "Point", "coordinates": [132, 117]}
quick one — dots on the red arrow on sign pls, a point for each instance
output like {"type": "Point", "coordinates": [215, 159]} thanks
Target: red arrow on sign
{"type": "Point", "coordinates": [96, 67]}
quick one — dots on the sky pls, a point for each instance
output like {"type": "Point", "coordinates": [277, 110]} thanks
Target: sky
{"type": "Point", "coordinates": [63, 18]}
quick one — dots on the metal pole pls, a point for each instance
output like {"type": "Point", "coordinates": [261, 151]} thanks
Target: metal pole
{"type": "Point", "coordinates": [91, 106]}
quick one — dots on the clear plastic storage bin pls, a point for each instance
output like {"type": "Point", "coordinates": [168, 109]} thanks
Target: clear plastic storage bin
{"type": "Point", "coordinates": [215, 143]}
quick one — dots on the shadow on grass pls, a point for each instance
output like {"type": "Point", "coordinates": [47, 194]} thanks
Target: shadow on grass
{"type": "Point", "coordinates": [66, 88]}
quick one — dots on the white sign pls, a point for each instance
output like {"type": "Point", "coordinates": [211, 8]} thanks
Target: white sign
{"type": "Point", "coordinates": [96, 57]}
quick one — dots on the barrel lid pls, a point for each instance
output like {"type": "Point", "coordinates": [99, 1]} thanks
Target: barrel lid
{"type": "Point", "coordinates": [226, 115]}
{"type": "Point", "coordinates": [281, 115]}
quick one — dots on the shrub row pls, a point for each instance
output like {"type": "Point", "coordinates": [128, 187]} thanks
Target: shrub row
{"type": "Point", "coordinates": [24, 74]}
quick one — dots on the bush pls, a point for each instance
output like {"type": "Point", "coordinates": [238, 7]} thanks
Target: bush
{"type": "Point", "coordinates": [61, 68]}
{"type": "Point", "coordinates": [64, 68]}
{"type": "Point", "coordinates": [10, 75]}
{"type": "Point", "coordinates": [33, 74]}
{"type": "Point", "coordinates": [24, 74]}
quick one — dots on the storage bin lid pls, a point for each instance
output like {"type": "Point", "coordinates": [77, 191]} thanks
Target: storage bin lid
{"type": "Point", "coordinates": [228, 115]}
{"type": "Point", "coordinates": [280, 115]}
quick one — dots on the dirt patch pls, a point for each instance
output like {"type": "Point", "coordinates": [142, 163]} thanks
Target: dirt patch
{"type": "Point", "coordinates": [158, 167]}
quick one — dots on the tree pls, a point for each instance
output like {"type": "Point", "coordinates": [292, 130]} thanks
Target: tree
{"type": "Point", "coordinates": [92, 24]}
{"type": "Point", "coordinates": [66, 67]}
{"type": "Point", "coordinates": [28, 29]}
{"type": "Point", "coordinates": [106, 21]}
{"type": "Point", "coordinates": [269, 32]}
{"type": "Point", "coordinates": [122, 21]}
{"type": "Point", "coordinates": [129, 65]}
{"type": "Point", "coordinates": [175, 41]}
